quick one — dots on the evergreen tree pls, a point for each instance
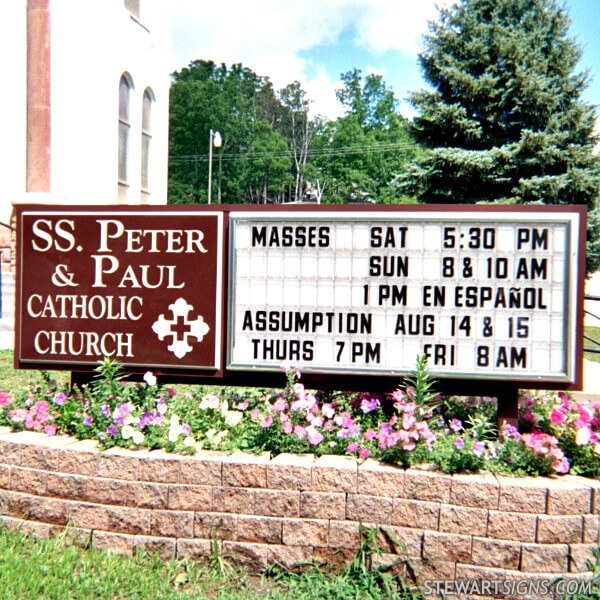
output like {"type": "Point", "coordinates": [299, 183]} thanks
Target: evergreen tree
{"type": "Point", "coordinates": [505, 120]}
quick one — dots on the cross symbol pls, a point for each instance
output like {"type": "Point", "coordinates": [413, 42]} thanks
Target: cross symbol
{"type": "Point", "coordinates": [180, 328]}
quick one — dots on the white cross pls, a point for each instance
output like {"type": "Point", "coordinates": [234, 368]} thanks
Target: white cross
{"type": "Point", "coordinates": [180, 327]}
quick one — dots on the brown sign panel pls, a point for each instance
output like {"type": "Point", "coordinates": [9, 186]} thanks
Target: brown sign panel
{"type": "Point", "coordinates": [141, 286]}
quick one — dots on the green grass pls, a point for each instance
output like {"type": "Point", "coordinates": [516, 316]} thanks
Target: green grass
{"type": "Point", "coordinates": [39, 568]}
{"type": "Point", "coordinates": [594, 334]}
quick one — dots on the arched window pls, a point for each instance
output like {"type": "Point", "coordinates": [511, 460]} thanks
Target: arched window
{"type": "Point", "coordinates": [125, 87]}
{"type": "Point", "coordinates": [146, 138]}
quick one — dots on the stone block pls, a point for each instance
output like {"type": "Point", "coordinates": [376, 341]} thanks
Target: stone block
{"type": "Point", "coordinates": [427, 486]}
{"type": "Point", "coordinates": [89, 516]}
{"type": "Point", "coordinates": [172, 523]}
{"type": "Point", "coordinates": [496, 553]}
{"type": "Point", "coordinates": [344, 534]}
{"type": "Point", "coordinates": [568, 496]}
{"type": "Point", "coordinates": [129, 520]}
{"type": "Point", "coordinates": [277, 503]}
{"type": "Point", "coordinates": [412, 513]}
{"type": "Point", "coordinates": [190, 497]}
{"type": "Point", "coordinates": [290, 472]}
{"type": "Point", "coordinates": [463, 520]}
{"type": "Point", "coordinates": [332, 473]}
{"type": "Point", "coordinates": [591, 529]}
{"type": "Point", "coordinates": [580, 557]}
{"type": "Point", "coordinates": [233, 500]}
{"type": "Point", "coordinates": [323, 505]}
{"type": "Point", "coordinates": [559, 529]}
{"type": "Point", "coordinates": [262, 530]}
{"type": "Point", "coordinates": [305, 532]}
{"type": "Point", "coordinates": [479, 490]}
{"type": "Point", "coordinates": [520, 527]}
{"type": "Point", "coordinates": [545, 558]}
{"type": "Point", "coordinates": [245, 470]}
{"type": "Point", "coordinates": [527, 494]}
{"type": "Point", "coordinates": [193, 549]}
{"type": "Point", "coordinates": [249, 555]}
{"type": "Point", "coordinates": [114, 542]}
{"type": "Point", "coordinates": [380, 479]}
{"type": "Point", "coordinates": [447, 547]}
{"type": "Point", "coordinates": [72, 487]}
{"type": "Point", "coordinates": [363, 508]}
{"type": "Point", "coordinates": [164, 547]}
{"type": "Point", "coordinates": [79, 458]}
{"type": "Point", "coordinates": [119, 463]}
{"type": "Point", "coordinates": [218, 526]}
{"type": "Point", "coordinates": [289, 556]}
{"type": "Point", "coordinates": [28, 481]}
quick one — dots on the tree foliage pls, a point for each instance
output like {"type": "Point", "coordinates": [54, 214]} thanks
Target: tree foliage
{"type": "Point", "coordinates": [505, 120]}
{"type": "Point", "coordinates": [272, 149]}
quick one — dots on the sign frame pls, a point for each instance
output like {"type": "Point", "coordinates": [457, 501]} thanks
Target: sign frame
{"type": "Point", "coordinates": [254, 375]}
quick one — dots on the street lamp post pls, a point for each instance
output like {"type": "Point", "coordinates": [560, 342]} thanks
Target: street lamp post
{"type": "Point", "coordinates": [216, 141]}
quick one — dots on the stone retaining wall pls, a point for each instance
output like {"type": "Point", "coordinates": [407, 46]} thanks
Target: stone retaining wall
{"type": "Point", "coordinates": [296, 508]}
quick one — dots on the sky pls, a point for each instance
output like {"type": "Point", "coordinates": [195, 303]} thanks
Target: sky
{"type": "Point", "coordinates": [315, 41]}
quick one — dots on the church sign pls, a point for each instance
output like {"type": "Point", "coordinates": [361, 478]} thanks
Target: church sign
{"type": "Point", "coordinates": [142, 287]}
{"type": "Point", "coordinates": [484, 292]}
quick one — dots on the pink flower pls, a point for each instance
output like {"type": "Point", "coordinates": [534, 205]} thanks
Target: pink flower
{"type": "Point", "coordinates": [300, 431]}
{"type": "Point", "coordinates": [327, 410]}
{"type": "Point", "coordinates": [364, 453]}
{"type": "Point", "coordinates": [5, 399]}
{"type": "Point", "coordinates": [314, 436]}
{"type": "Point", "coordinates": [352, 447]}
{"type": "Point", "coordinates": [459, 443]}
{"type": "Point", "coordinates": [242, 406]}
{"type": "Point", "coordinates": [266, 422]}
{"type": "Point", "coordinates": [557, 416]}
{"type": "Point", "coordinates": [455, 425]}
{"type": "Point", "coordinates": [50, 429]}
{"type": "Point", "coordinates": [287, 427]}
{"type": "Point", "coordinates": [255, 414]}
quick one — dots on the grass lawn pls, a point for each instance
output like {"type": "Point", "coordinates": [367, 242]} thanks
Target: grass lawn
{"type": "Point", "coordinates": [592, 340]}
{"type": "Point", "coordinates": [34, 568]}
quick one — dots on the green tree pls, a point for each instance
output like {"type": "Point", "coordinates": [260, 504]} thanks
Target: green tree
{"type": "Point", "coordinates": [505, 120]}
{"type": "Point", "coordinates": [360, 155]}
{"type": "Point", "coordinates": [204, 96]}
{"type": "Point", "coordinates": [267, 166]}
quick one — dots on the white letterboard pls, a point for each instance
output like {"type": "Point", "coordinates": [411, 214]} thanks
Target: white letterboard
{"type": "Point", "coordinates": [481, 294]}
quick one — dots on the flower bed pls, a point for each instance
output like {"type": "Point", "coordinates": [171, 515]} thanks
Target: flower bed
{"type": "Point", "coordinates": [412, 426]}
{"type": "Point", "coordinates": [140, 465]}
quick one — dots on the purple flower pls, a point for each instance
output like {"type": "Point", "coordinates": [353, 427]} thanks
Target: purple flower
{"type": "Point", "coordinates": [59, 399]}
{"type": "Point", "coordinates": [369, 403]}
{"type": "Point", "coordinates": [478, 448]}
{"type": "Point", "coordinates": [112, 430]}
{"type": "Point", "coordinates": [459, 443]}
{"type": "Point", "coordinates": [87, 420]}
{"type": "Point", "coordinates": [455, 425]}
{"type": "Point", "coordinates": [105, 410]}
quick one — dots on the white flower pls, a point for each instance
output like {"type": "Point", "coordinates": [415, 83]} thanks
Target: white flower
{"type": "Point", "coordinates": [189, 442]}
{"type": "Point", "coordinates": [150, 378]}
{"type": "Point", "coordinates": [224, 407]}
{"type": "Point", "coordinates": [233, 417]}
{"type": "Point", "coordinates": [127, 432]}
{"type": "Point", "coordinates": [137, 437]}
{"type": "Point", "coordinates": [209, 401]}
{"type": "Point", "coordinates": [210, 433]}
{"type": "Point", "coordinates": [175, 429]}
{"type": "Point", "coordinates": [162, 408]}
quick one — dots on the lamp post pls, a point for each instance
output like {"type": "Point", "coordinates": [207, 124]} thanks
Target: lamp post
{"type": "Point", "coordinates": [216, 141]}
